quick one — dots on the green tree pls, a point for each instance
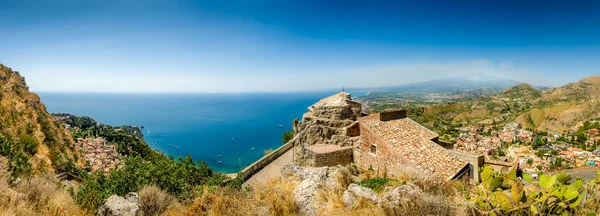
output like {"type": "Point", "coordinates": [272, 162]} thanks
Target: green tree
{"type": "Point", "coordinates": [287, 136]}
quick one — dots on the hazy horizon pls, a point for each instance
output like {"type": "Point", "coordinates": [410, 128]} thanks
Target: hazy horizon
{"type": "Point", "coordinates": [269, 46]}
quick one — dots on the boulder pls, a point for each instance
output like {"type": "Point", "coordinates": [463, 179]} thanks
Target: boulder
{"type": "Point", "coordinates": [119, 206]}
{"type": "Point", "coordinates": [132, 197]}
{"type": "Point", "coordinates": [401, 195]}
{"type": "Point", "coordinates": [356, 192]}
{"type": "Point", "coordinates": [305, 194]}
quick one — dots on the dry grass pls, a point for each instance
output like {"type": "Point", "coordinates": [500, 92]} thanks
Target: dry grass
{"type": "Point", "coordinates": [154, 201]}
{"type": "Point", "coordinates": [335, 206]}
{"type": "Point", "coordinates": [276, 198]}
{"type": "Point", "coordinates": [38, 196]}
{"type": "Point", "coordinates": [344, 176]}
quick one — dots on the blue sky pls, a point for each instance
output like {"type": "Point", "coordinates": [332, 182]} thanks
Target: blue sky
{"type": "Point", "coordinates": [300, 45]}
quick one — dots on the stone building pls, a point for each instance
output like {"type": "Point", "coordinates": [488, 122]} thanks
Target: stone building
{"type": "Point", "coordinates": [336, 131]}
{"type": "Point", "coordinates": [392, 143]}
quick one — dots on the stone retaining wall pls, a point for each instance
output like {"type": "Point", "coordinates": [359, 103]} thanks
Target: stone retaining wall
{"type": "Point", "coordinates": [247, 172]}
{"type": "Point", "coordinates": [339, 157]}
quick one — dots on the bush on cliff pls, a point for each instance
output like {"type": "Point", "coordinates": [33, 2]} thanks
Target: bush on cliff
{"type": "Point", "coordinates": [287, 136]}
{"type": "Point", "coordinates": [178, 177]}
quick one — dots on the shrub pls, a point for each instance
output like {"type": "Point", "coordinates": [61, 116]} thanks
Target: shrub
{"type": "Point", "coordinates": [563, 178]}
{"type": "Point", "coordinates": [19, 165]}
{"type": "Point", "coordinates": [496, 183]}
{"type": "Point", "coordinates": [29, 143]}
{"type": "Point", "coordinates": [376, 184]}
{"type": "Point", "coordinates": [154, 201]}
{"type": "Point", "coordinates": [287, 136]}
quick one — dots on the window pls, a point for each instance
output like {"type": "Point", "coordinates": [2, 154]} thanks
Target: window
{"type": "Point", "coordinates": [373, 149]}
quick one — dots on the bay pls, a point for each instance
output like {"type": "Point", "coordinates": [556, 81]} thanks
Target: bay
{"type": "Point", "coordinates": [210, 127]}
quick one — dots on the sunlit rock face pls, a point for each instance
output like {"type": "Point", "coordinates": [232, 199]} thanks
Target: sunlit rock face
{"type": "Point", "coordinates": [328, 122]}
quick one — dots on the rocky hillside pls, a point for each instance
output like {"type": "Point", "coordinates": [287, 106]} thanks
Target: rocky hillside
{"type": "Point", "coordinates": [327, 122]}
{"type": "Point", "coordinates": [28, 131]}
{"type": "Point", "coordinates": [556, 109]}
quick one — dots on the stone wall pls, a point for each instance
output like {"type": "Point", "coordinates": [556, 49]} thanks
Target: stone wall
{"type": "Point", "coordinates": [475, 161]}
{"type": "Point", "coordinates": [391, 115]}
{"type": "Point", "coordinates": [247, 172]}
{"type": "Point", "coordinates": [340, 157]}
{"type": "Point", "coordinates": [446, 145]}
{"type": "Point", "coordinates": [353, 130]}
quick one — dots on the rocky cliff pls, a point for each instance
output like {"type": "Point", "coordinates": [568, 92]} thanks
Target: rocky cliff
{"type": "Point", "coordinates": [328, 122]}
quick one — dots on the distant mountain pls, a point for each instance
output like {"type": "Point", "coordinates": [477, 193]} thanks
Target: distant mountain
{"type": "Point", "coordinates": [458, 83]}
{"type": "Point", "coordinates": [555, 109]}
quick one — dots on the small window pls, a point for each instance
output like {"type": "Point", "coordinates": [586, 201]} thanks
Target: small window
{"type": "Point", "coordinates": [373, 149]}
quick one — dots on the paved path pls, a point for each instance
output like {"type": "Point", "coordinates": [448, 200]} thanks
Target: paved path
{"type": "Point", "coordinates": [588, 173]}
{"type": "Point", "coordinates": [271, 171]}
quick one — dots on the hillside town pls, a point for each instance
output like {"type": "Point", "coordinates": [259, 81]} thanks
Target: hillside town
{"type": "Point", "coordinates": [535, 152]}
{"type": "Point", "coordinates": [99, 156]}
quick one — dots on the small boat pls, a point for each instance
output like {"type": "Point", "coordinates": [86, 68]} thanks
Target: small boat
{"type": "Point", "coordinates": [252, 149]}
{"type": "Point", "coordinates": [232, 139]}
{"type": "Point", "coordinates": [236, 145]}
{"type": "Point", "coordinates": [220, 162]}
{"type": "Point", "coordinates": [220, 155]}
{"type": "Point", "coordinates": [280, 126]}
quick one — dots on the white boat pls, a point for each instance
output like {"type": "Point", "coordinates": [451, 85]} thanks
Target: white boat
{"type": "Point", "coordinates": [252, 149]}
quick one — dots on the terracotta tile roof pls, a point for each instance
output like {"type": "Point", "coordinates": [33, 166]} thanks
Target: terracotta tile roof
{"type": "Point", "coordinates": [413, 141]}
{"type": "Point", "coordinates": [568, 153]}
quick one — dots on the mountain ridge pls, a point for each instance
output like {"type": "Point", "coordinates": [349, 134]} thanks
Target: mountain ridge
{"type": "Point", "coordinates": [455, 83]}
{"type": "Point", "coordinates": [559, 109]}
{"type": "Point", "coordinates": [28, 131]}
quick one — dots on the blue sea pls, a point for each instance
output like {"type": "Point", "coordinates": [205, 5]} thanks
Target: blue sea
{"type": "Point", "coordinates": [202, 125]}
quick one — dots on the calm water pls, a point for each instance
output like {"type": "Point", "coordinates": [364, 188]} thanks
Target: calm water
{"type": "Point", "coordinates": [203, 125]}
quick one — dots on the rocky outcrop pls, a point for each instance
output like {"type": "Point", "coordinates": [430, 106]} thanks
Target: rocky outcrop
{"type": "Point", "coordinates": [312, 180]}
{"type": "Point", "coordinates": [356, 192]}
{"type": "Point", "coordinates": [327, 122]}
{"type": "Point", "coordinates": [119, 206]}
{"type": "Point", "coordinates": [400, 196]}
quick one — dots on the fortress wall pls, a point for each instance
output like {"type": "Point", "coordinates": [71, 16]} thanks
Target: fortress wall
{"type": "Point", "coordinates": [247, 172]}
